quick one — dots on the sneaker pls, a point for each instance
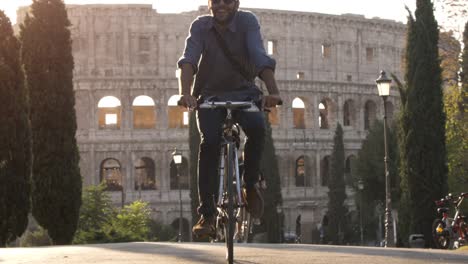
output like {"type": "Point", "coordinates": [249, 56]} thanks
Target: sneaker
{"type": "Point", "coordinates": [254, 202]}
{"type": "Point", "coordinates": [205, 227]}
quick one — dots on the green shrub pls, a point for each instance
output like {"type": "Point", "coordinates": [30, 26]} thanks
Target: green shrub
{"type": "Point", "coordinates": [96, 215]}
{"type": "Point", "coordinates": [131, 223]}
{"type": "Point", "coordinates": [101, 222]}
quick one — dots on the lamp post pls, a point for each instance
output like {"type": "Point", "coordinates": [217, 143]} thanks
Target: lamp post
{"type": "Point", "coordinates": [383, 86]}
{"type": "Point", "coordinates": [177, 158]}
{"type": "Point", "coordinates": [361, 187]}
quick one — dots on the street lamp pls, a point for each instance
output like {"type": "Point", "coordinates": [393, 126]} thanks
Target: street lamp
{"type": "Point", "coordinates": [383, 86]}
{"type": "Point", "coordinates": [177, 158]}
{"type": "Point", "coordinates": [361, 187]}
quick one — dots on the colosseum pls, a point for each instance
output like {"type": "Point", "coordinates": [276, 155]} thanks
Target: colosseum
{"type": "Point", "coordinates": [126, 88]}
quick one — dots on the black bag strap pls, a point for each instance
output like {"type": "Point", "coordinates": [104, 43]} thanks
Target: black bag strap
{"type": "Point", "coordinates": [237, 65]}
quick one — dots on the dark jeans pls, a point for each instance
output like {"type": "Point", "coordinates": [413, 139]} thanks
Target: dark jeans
{"type": "Point", "coordinates": [210, 123]}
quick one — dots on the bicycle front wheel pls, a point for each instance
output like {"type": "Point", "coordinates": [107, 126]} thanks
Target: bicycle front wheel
{"type": "Point", "coordinates": [230, 169]}
{"type": "Point", "coordinates": [440, 234]}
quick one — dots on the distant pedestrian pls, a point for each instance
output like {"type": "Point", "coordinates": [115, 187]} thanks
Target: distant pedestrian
{"type": "Point", "coordinates": [323, 228]}
{"type": "Point", "coordinates": [298, 229]}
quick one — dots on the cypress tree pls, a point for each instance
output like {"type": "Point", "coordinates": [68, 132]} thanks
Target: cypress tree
{"type": "Point", "coordinates": [15, 156]}
{"type": "Point", "coordinates": [48, 63]}
{"type": "Point", "coordinates": [422, 136]}
{"type": "Point", "coordinates": [272, 195]}
{"type": "Point", "coordinates": [337, 193]}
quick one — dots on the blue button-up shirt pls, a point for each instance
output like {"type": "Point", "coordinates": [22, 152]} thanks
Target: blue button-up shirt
{"type": "Point", "coordinates": [215, 74]}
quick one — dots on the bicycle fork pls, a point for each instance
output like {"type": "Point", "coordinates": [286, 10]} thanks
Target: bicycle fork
{"type": "Point", "coordinates": [236, 179]}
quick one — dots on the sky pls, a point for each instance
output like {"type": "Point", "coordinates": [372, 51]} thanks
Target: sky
{"type": "Point", "coordinates": [370, 8]}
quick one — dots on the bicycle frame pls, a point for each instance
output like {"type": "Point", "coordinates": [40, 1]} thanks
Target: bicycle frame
{"type": "Point", "coordinates": [227, 138]}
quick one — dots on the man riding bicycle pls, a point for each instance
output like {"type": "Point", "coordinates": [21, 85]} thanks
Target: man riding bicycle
{"type": "Point", "coordinates": [225, 51]}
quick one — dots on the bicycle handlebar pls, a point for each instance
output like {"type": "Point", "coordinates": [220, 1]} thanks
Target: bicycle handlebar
{"type": "Point", "coordinates": [221, 104]}
{"type": "Point", "coordinates": [247, 106]}
{"type": "Point", "coordinates": [451, 198]}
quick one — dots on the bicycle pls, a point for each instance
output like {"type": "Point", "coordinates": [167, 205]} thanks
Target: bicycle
{"type": "Point", "coordinates": [232, 219]}
{"type": "Point", "coordinates": [450, 232]}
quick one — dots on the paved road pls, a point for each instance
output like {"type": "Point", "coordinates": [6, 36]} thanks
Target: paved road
{"type": "Point", "coordinates": [172, 253]}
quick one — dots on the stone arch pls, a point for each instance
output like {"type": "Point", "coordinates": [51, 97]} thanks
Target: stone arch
{"type": "Point", "coordinates": [298, 107]}
{"type": "Point", "coordinates": [273, 116]}
{"type": "Point", "coordinates": [300, 172]}
{"type": "Point", "coordinates": [185, 228]}
{"type": "Point", "coordinates": [111, 174]}
{"type": "Point", "coordinates": [144, 116]}
{"type": "Point", "coordinates": [349, 113]}
{"type": "Point", "coordinates": [145, 177]}
{"type": "Point", "coordinates": [326, 113]}
{"type": "Point", "coordinates": [325, 164]}
{"type": "Point", "coordinates": [176, 115]}
{"type": "Point", "coordinates": [183, 178]}
{"type": "Point", "coordinates": [109, 113]}
{"type": "Point", "coordinates": [370, 114]}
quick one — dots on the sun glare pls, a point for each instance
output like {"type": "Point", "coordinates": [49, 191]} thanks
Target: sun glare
{"type": "Point", "coordinates": [298, 103]}
{"type": "Point", "coordinates": [143, 100]}
{"type": "Point", "coordinates": [173, 100]}
{"type": "Point", "coordinates": [109, 101]}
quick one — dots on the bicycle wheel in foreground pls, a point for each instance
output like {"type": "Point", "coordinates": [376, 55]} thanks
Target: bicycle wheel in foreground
{"type": "Point", "coordinates": [231, 148]}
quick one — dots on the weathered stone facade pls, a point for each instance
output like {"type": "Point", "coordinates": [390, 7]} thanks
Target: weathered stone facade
{"type": "Point", "coordinates": [325, 63]}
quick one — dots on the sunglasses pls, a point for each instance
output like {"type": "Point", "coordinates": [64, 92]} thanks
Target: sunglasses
{"type": "Point", "coordinates": [227, 2]}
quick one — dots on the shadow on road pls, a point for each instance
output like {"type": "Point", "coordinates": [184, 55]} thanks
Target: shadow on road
{"type": "Point", "coordinates": [180, 251]}
{"type": "Point", "coordinates": [403, 253]}
{"type": "Point", "coordinates": [214, 253]}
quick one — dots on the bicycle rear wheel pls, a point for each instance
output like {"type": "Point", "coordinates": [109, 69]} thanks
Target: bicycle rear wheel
{"type": "Point", "coordinates": [244, 225]}
{"type": "Point", "coordinates": [230, 156]}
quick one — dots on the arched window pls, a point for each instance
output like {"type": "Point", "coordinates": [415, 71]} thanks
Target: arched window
{"type": "Point", "coordinates": [390, 110]}
{"type": "Point", "coordinates": [177, 117]}
{"type": "Point", "coordinates": [109, 113]}
{"type": "Point", "coordinates": [298, 113]}
{"type": "Point", "coordinates": [326, 113]}
{"type": "Point", "coordinates": [349, 114]}
{"type": "Point", "coordinates": [111, 174]}
{"type": "Point", "coordinates": [369, 114]}
{"type": "Point", "coordinates": [325, 170]}
{"type": "Point", "coordinates": [183, 177]}
{"type": "Point", "coordinates": [145, 178]}
{"type": "Point", "coordinates": [323, 116]}
{"type": "Point", "coordinates": [300, 171]}
{"type": "Point", "coordinates": [349, 169]}
{"type": "Point", "coordinates": [273, 116]}
{"type": "Point", "coordinates": [143, 112]}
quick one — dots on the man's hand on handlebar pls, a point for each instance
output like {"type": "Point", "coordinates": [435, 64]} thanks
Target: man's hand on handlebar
{"type": "Point", "coordinates": [187, 101]}
{"type": "Point", "coordinates": [272, 100]}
